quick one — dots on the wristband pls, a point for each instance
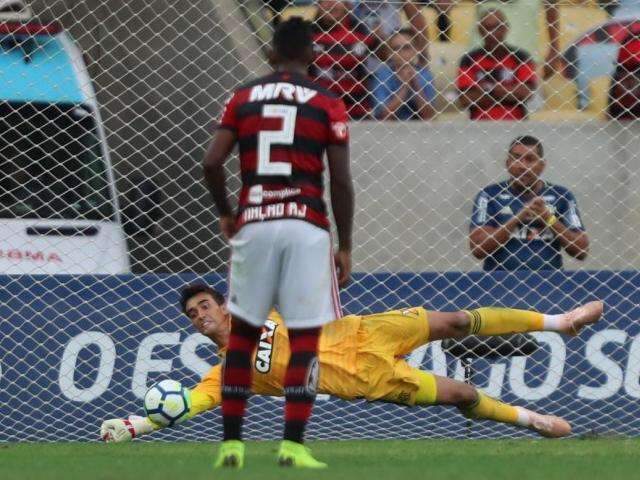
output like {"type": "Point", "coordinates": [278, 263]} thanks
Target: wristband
{"type": "Point", "coordinates": [551, 220]}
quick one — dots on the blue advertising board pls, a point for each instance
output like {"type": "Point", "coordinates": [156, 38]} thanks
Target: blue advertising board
{"type": "Point", "coordinates": [75, 350]}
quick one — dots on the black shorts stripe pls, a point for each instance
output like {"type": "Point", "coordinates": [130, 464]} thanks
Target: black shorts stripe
{"type": "Point", "coordinates": [301, 144]}
{"type": "Point", "coordinates": [296, 179]}
{"type": "Point", "coordinates": [304, 110]}
{"type": "Point", "coordinates": [302, 358]}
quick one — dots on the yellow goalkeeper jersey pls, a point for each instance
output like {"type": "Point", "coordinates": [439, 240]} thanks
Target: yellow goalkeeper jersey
{"type": "Point", "coordinates": [359, 356]}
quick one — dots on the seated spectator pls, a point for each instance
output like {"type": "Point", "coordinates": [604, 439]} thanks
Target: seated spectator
{"type": "Point", "coordinates": [624, 94]}
{"type": "Point", "coordinates": [403, 87]}
{"type": "Point", "coordinates": [496, 80]}
{"type": "Point", "coordinates": [524, 32]}
{"type": "Point", "coordinates": [524, 223]}
{"type": "Point", "coordinates": [343, 45]}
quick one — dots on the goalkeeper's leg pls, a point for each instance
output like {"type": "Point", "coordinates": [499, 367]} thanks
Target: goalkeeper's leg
{"type": "Point", "coordinates": [436, 390]}
{"type": "Point", "coordinates": [502, 321]}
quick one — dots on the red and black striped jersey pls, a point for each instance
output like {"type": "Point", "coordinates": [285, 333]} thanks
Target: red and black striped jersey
{"type": "Point", "coordinates": [284, 122]}
{"type": "Point", "coordinates": [624, 92]}
{"type": "Point", "coordinates": [340, 63]}
{"type": "Point", "coordinates": [483, 69]}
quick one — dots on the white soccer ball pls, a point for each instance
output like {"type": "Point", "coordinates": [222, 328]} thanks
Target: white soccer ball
{"type": "Point", "coordinates": [167, 403]}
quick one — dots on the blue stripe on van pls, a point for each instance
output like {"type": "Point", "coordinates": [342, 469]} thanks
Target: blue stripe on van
{"type": "Point", "coordinates": [49, 76]}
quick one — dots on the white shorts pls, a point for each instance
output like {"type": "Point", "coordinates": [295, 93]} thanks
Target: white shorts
{"type": "Point", "coordinates": [286, 264]}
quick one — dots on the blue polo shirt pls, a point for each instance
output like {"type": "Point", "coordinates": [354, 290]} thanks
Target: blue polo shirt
{"type": "Point", "coordinates": [531, 246]}
{"type": "Point", "coordinates": [385, 83]}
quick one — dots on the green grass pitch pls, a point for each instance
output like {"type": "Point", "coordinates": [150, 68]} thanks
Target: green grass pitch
{"type": "Point", "coordinates": [359, 460]}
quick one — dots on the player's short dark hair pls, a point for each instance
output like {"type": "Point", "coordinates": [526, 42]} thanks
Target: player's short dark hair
{"type": "Point", "coordinates": [528, 141]}
{"type": "Point", "coordinates": [292, 38]}
{"type": "Point", "coordinates": [196, 288]}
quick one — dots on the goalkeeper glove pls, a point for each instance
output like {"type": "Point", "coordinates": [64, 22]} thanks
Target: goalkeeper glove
{"type": "Point", "coordinates": [124, 430]}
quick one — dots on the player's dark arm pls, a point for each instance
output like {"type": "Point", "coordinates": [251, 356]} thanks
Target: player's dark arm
{"type": "Point", "coordinates": [342, 203]}
{"type": "Point", "coordinates": [214, 175]}
{"type": "Point", "coordinates": [342, 193]}
{"type": "Point", "coordinates": [485, 240]}
{"type": "Point", "coordinates": [574, 242]}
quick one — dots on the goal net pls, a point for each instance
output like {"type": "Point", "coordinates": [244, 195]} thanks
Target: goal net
{"type": "Point", "coordinates": [106, 108]}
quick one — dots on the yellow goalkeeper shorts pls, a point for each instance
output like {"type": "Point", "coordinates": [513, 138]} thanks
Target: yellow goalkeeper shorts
{"type": "Point", "coordinates": [382, 341]}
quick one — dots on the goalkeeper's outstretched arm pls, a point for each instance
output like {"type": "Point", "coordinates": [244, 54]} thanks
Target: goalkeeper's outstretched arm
{"type": "Point", "coordinates": [125, 429]}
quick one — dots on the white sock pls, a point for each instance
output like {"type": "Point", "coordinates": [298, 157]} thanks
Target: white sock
{"type": "Point", "coordinates": [524, 419]}
{"type": "Point", "coordinates": [553, 322]}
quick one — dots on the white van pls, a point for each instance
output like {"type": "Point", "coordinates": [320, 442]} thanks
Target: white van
{"type": "Point", "coordinates": [59, 210]}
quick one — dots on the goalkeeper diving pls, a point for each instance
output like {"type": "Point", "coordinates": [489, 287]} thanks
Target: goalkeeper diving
{"type": "Point", "coordinates": [362, 357]}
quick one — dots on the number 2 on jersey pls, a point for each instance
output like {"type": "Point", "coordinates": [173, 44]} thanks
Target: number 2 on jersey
{"type": "Point", "coordinates": [284, 136]}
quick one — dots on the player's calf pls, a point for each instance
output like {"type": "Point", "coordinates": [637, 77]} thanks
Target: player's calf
{"type": "Point", "coordinates": [459, 394]}
{"type": "Point", "coordinates": [236, 386]}
{"type": "Point", "coordinates": [448, 325]}
{"type": "Point", "coordinates": [300, 387]}
{"type": "Point", "coordinates": [301, 381]}
{"type": "Point", "coordinates": [475, 404]}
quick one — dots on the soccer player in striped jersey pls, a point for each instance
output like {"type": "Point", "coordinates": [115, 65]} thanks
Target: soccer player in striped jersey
{"type": "Point", "coordinates": [362, 357]}
{"type": "Point", "coordinates": [281, 251]}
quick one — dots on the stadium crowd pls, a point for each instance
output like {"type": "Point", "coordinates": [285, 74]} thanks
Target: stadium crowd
{"type": "Point", "coordinates": [508, 57]}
